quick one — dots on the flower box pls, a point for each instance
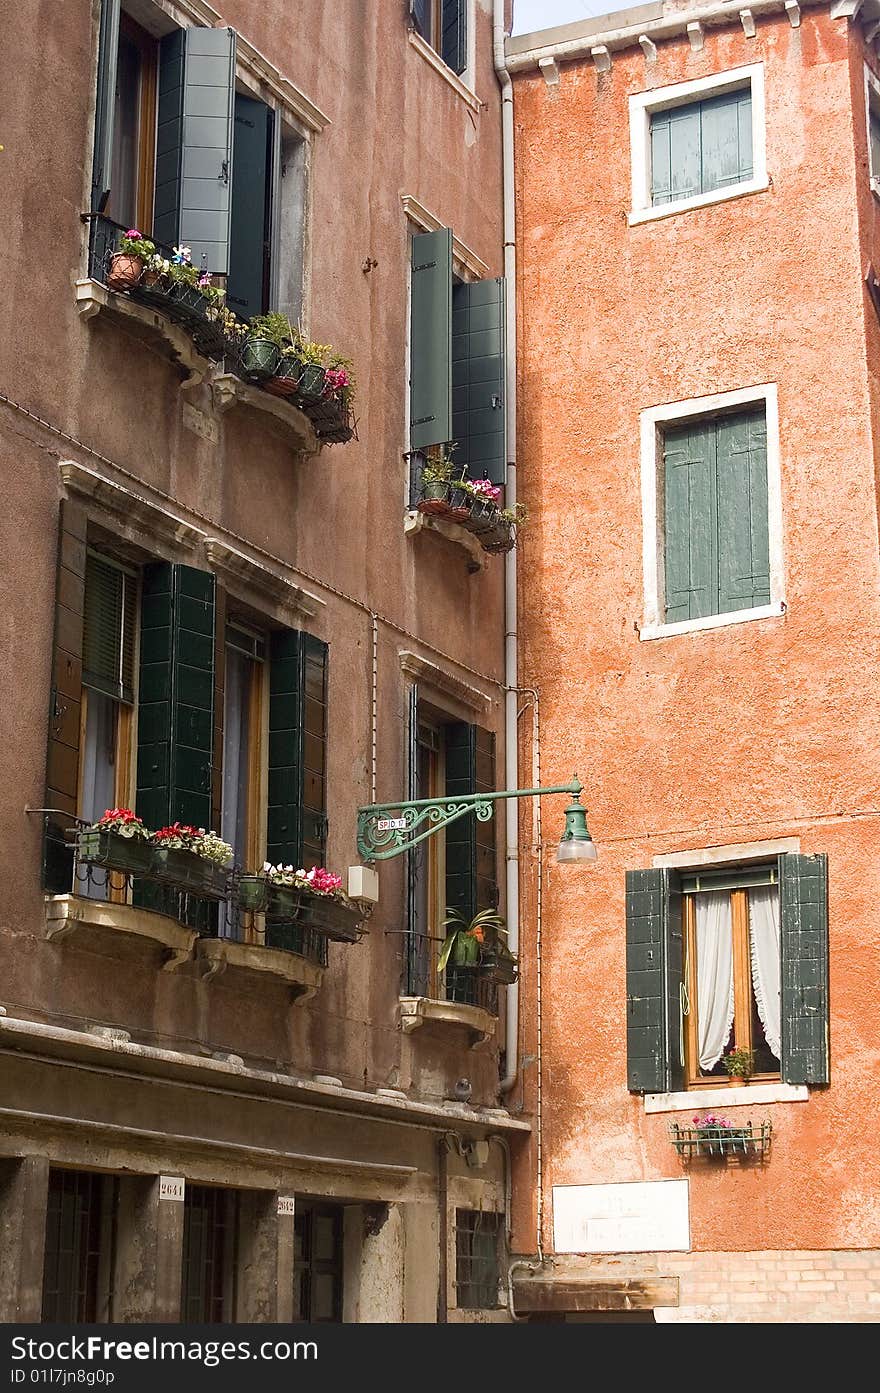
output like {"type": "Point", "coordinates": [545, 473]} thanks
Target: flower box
{"type": "Point", "coordinates": [331, 416]}
{"type": "Point", "coordinates": [718, 1141]}
{"type": "Point", "coordinates": [444, 499]}
{"type": "Point", "coordinates": [500, 537]}
{"type": "Point", "coordinates": [257, 894]}
{"type": "Point", "coordinates": [100, 847]}
{"type": "Point", "coordinates": [188, 871]}
{"type": "Point", "coordinates": [499, 965]}
{"type": "Point", "coordinates": [336, 918]}
{"type": "Point", "coordinates": [483, 517]}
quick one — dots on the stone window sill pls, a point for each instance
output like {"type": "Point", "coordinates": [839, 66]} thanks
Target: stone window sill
{"type": "Point", "coordinates": [219, 955]}
{"type": "Point", "coordinates": [702, 200]}
{"type": "Point", "coordinates": [415, 522]}
{"type": "Point", "coordinates": [154, 328]}
{"type": "Point", "coordinates": [416, 1011]}
{"type": "Point", "coordinates": [730, 1096]}
{"type": "Point", "coordinates": [433, 57]}
{"type": "Point", "coordinates": [95, 923]}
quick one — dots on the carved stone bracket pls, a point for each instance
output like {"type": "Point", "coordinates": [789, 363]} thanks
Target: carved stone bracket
{"type": "Point", "coordinates": [415, 522]}
{"type": "Point", "coordinates": [78, 915]}
{"type": "Point", "coordinates": [416, 1011]}
{"type": "Point", "coordinates": [219, 955]}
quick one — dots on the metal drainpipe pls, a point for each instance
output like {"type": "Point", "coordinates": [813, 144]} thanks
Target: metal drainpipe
{"type": "Point", "coordinates": [510, 610]}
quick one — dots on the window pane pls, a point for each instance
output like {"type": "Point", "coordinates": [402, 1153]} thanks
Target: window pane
{"type": "Point", "coordinates": [99, 756]}
{"type": "Point", "coordinates": [122, 204]}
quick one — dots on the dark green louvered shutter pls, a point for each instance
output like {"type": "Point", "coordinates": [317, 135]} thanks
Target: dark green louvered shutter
{"type": "Point", "coordinates": [252, 166]}
{"type": "Point", "coordinates": [431, 339]}
{"type": "Point", "coordinates": [176, 696]}
{"type": "Point", "coordinates": [194, 143]}
{"type": "Point", "coordinates": [478, 415]}
{"type": "Point", "coordinates": [471, 870]}
{"type": "Point", "coordinates": [743, 529]}
{"type": "Point", "coordinates": [297, 819]}
{"type": "Point", "coordinates": [420, 14]}
{"type": "Point", "coordinates": [109, 629]}
{"type": "Point", "coordinates": [62, 755]}
{"type": "Point", "coordinates": [874, 129]}
{"type": "Point", "coordinates": [803, 912]}
{"type": "Point", "coordinates": [418, 964]}
{"type": "Point", "coordinates": [653, 982]}
{"type": "Point", "coordinates": [691, 562]}
{"type": "Point", "coordinates": [461, 851]}
{"type": "Point", "coordinates": [453, 37]}
{"type": "Point", "coordinates": [105, 103]}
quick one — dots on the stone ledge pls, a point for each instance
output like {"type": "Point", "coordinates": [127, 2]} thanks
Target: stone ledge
{"type": "Point", "coordinates": [152, 327]}
{"type": "Point", "coordinates": [78, 916]}
{"type": "Point", "coordinates": [416, 1011]}
{"type": "Point", "coordinates": [218, 955]}
{"type": "Point", "coordinates": [727, 1096]}
{"type": "Point", "coordinates": [415, 522]}
{"type": "Point", "coordinates": [541, 1295]}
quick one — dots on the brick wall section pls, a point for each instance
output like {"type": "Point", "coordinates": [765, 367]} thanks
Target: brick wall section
{"type": "Point", "coordinates": [778, 1287]}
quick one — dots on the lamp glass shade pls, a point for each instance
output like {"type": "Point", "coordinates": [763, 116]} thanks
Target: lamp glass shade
{"type": "Point", "coordinates": [574, 849]}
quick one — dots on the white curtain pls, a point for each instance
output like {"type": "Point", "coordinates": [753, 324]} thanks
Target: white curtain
{"type": "Point", "coordinates": [764, 949]}
{"type": "Point", "coordinates": [714, 975]}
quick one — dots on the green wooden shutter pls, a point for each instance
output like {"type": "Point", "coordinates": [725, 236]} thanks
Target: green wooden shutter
{"type": "Point", "coordinates": [653, 982]}
{"type": "Point", "coordinates": [690, 522]}
{"type": "Point", "coordinates": [297, 821]}
{"type": "Point", "coordinates": [725, 140]}
{"type": "Point", "coordinates": [461, 850]}
{"type": "Point", "coordinates": [418, 963]}
{"type": "Point", "coordinates": [194, 143]}
{"type": "Point", "coordinates": [803, 912]}
{"type": "Point", "coordinates": [743, 528]}
{"type": "Point", "coordinates": [471, 860]}
{"type": "Point", "coordinates": [108, 53]}
{"type": "Point", "coordinates": [478, 415]}
{"type": "Point", "coordinates": [675, 154]}
{"type": "Point", "coordinates": [420, 14]}
{"type": "Point", "coordinates": [453, 36]}
{"type": "Point", "coordinates": [176, 696]}
{"type": "Point", "coordinates": [250, 235]}
{"type": "Point", "coordinates": [431, 339]}
{"type": "Point", "coordinates": [65, 708]}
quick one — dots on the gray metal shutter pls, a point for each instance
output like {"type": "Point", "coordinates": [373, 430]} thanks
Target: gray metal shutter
{"type": "Point", "coordinates": [453, 35]}
{"type": "Point", "coordinates": [478, 415]}
{"type": "Point", "coordinates": [108, 51]}
{"type": "Point", "coordinates": [803, 912]}
{"type": "Point", "coordinates": [431, 339]}
{"type": "Point", "coordinates": [249, 246]}
{"type": "Point", "coordinates": [653, 981]}
{"type": "Point", "coordinates": [194, 144]}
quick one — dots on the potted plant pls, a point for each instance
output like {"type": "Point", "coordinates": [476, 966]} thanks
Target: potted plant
{"type": "Point", "coordinates": [128, 262]}
{"type": "Point", "coordinates": [278, 372]}
{"type": "Point", "coordinates": [191, 858]}
{"type": "Point", "coordinates": [313, 899]}
{"type": "Point", "coordinates": [118, 840]}
{"type": "Point", "coordinates": [442, 491]}
{"type": "Point", "coordinates": [501, 536]}
{"type": "Point", "coordinates": [485, 498]}
{"type": "Point", "coordinates": [331, 414]}
{"type": "Point", "coordinates": [716, 1136]}
{"type": "Point", "coordinates": [738, 1065]}
{"type": "Point", "coordinates": [312, 381]}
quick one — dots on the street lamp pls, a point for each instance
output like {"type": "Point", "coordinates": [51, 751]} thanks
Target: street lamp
{"type": "Point", "coordinates": [388, 829]}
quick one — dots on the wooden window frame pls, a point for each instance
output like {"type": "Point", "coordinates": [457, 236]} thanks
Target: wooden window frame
{"type": "Point", "coordinates": [253, 854]}
{"type": "Point", "coordinates": [435, 851]}
{"type": "Point", "coordinates": [148, 86]}
{"type": "Point", "coordinates": [742, 990]}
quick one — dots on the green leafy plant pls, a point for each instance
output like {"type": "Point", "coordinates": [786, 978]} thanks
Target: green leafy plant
{"type": "Point", "coordinates": [738, 1063]}
{"type": "Point", "coordinates": [278, 328]}
{"type": "Point", "coordinates": [517, 514]}
{"type": "Point", "coordinates": [134, 243]}
{"type": "Point", "coordinates": [466, 938]}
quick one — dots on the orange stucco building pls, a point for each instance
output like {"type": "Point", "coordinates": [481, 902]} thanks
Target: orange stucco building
{"type": "Point", "coordinates": [698, 355]}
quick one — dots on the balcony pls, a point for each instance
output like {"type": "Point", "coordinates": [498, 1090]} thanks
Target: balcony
{"type": "Point", "coordinates": [190, 324]}
{"type": "Point", "coordinates": [470, 999]}
{"type": "Point", "coordinates": [442, 499]}
{"type": "Point", "coordinates": [106, 891]}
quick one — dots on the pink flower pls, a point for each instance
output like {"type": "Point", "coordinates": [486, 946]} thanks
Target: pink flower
{"type": "Point", "coordinates": [134, 234]}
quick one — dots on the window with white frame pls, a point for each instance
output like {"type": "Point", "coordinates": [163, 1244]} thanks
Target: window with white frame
{"type": "Point", "coordinates": [872, 115]}
{"type": "Point", "coordinates": [696, 143]}
{"type": "Point", "coordinates": [711, 512]}
{"type": "Point", "coordinates": [443, 24]}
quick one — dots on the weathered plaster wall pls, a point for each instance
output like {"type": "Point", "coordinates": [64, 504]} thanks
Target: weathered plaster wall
{"type": "Point", "coordinates": [748, 732]}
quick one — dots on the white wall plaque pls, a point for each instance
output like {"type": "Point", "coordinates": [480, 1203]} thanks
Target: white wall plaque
{"type": "Point", "coordinates": [391, 824]}
{"type": "Point", "coordinates": [171, 1187]}
{"type": "Point", "coordinates": [639, 1217]}
{"type": "Point", "coordinates": [286, 1204]}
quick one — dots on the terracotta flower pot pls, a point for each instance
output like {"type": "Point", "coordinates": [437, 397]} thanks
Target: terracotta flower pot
{"type": "Point", "coordinates": [125, 270]}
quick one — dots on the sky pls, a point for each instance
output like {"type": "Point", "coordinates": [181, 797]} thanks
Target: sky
{"type": "Point", "coordinates": [544, 14]}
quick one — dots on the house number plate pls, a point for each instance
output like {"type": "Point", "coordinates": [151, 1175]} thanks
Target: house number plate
{"type": "Point", "coordinates": [391, 824]}
{"type": "Point", "coordinates": [171, 1187]}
